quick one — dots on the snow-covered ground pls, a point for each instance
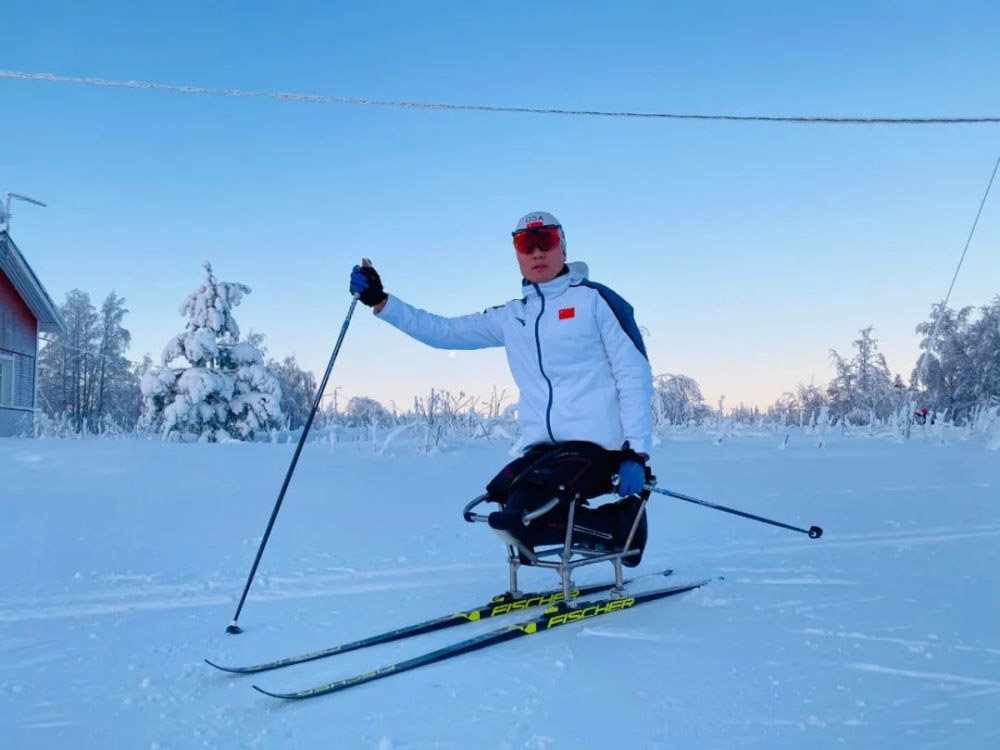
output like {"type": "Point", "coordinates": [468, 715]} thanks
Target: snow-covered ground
{"type": "Point", "coordinates": [122, 562]}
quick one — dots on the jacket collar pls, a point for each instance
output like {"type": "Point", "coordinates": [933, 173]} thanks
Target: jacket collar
{"type": "Point", "coordinates": [572, 274]}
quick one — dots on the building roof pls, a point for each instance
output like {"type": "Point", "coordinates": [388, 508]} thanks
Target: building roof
{"type": "Point", "coordinates": [16, 268]}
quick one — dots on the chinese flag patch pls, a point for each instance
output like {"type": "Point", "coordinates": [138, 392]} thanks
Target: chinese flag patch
{"type": "Point", "coordinates": [567, 312]}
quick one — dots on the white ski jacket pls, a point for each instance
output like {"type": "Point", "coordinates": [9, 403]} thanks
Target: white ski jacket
{"type": "Point", "coordinates": [574, 350]}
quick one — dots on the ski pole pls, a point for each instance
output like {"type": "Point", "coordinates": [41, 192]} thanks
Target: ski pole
{"type": "Point", "coordinates": [233, 627]}
{"type": "Point", "coordinates": [814, 532]}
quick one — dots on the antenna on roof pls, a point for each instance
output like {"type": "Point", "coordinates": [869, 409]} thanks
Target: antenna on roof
{"type": "Point", "coordinates": [5, 208]}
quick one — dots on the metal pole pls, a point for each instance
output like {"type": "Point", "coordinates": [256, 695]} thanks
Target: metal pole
{"type": "Point", "coordinates": [233, 627]}
{"type": "Point", "coordinates": [814, 532]}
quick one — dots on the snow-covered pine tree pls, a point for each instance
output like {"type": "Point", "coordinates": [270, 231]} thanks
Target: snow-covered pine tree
{"type": "Point", "coordinates": [225, 392]}
{"type": "Point", "coordinates": [862, 390]}
{"type": "Point", "coordinates": [116, 391]}
{"type": "Point", "coordinates": [873, 377]}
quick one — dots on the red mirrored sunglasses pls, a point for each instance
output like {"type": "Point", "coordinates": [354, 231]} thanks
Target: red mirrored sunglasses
{"type": "Point", "coordinates": [544, 238]}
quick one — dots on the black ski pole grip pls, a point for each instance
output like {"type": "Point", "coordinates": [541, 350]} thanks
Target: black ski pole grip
{"type": "Point", "coordinates": [815, 532]}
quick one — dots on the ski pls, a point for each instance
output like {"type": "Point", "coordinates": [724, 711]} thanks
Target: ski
{"type": "Point", "coordinates": [554, 616]}
{"type": "Point", "coordinates": [502, 604]}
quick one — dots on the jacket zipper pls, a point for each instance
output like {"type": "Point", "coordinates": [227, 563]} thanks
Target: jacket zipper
{"type": "Point", "coordinates": [538, 346]}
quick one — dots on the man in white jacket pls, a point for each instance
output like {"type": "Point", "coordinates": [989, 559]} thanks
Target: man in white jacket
{"type": "Point", "coordinates": [585, 384]}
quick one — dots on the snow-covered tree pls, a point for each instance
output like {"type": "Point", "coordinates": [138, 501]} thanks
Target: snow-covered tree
{"type": "Point", "coordinates": [66, 365]}
{"type": "Point", "coordinates": [298, 390]}
{"type": "Point", "coordinates": [984, 345]}
{"type": "Point", "coordinates": [785, 410]}
{"type": "Point", "coordinates": [225, 392]}
{"type": "Point", "coordinates": [84, 379]}
{"type": "Point", "coordinates": [744, 414]}
{"type": "Point", "coordinates": [363, 411]}
{"type": "Point", "coordinates": [862, 388]}
{"type": "Point", "coordinates": [958, 371]}
{"type": "Point", "coordinates": [799, 408]}
{"type": "Point", "coordinates": [810, 401]}
{"type": "Point", "coordinates": [873, 377]}
{"type": "Point", "coordinates": [677, 399]}
{"type": "Point", "coordinates": [116, 388]}
{"type": "Point", "coordinates": [842, 390]}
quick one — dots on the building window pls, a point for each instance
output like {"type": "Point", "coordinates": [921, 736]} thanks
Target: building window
{"type": "Point", "coordinates": [6, 380]}
{"type": "Point", "coordinates": [24, 381]}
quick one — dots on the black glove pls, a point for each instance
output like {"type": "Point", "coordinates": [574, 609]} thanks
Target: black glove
{"type": "Point", "coordinates": [366, 283]}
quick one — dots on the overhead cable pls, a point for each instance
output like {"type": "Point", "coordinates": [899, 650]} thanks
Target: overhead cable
{"type": "Point", "coordinates": [972, 231]}
{"type": "Point", "coordinates": [932, 342]}
{"type": "Point", "coordinates": [406, 104]}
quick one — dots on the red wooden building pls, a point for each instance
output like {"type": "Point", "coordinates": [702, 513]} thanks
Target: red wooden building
{"type": "Point", "coordinates": [25, 311]}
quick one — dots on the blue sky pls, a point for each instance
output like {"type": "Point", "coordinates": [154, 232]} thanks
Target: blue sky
{"type": "Point", "coordinates": [748, 250]}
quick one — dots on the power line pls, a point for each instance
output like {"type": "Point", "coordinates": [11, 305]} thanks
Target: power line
{"type": "Point", "coordinates": [922, 363]}
{"type": "Point", "coordinates": [405, 104]}
{"type": "Point", "coordinates": [972, 231]}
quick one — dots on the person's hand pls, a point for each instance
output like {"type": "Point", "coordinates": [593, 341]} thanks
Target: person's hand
{"type": "Point", "coordinates": [631, 478]}
{"type": "Point", "coordinates": [365, 283]}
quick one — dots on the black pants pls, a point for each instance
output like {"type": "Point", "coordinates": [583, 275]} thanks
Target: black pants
{"type": "Point", "coordinates": [573, 472]}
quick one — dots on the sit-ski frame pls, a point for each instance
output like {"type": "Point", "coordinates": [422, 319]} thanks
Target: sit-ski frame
{"type": "Point", "coordinates": [570, 556]}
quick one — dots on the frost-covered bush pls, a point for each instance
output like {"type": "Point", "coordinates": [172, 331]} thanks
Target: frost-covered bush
{"type": "Point", "coordinates": [677, 400]}
{"type": "Point", "coordinates": [432, 423]}
{"type": "Point", "coordinates": [225, 392]}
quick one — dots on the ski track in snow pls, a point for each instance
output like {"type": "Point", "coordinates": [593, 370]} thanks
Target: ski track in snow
{"type": "Point", "coordinates": [940, 677]}
{"type": "Point", "coordinates": [914, 646]}
{"type": "Point", "coordinates": [899, 541]}
{"type": "Point", "coordinates": [917, 647]}
{"type": "Point", "coordinates": [880, 635]}
{"type": "Point", "coordinates": [800, 581]}
{"type": "Point", "coordinates": [190, 595]}
{"type": "Point", "coordinates": [81, 610]}
{"type": "Point", "coordinates": [631, 634]}
{"type": "Point", "coordinates": [832, 539]}
{"type": "Point", "coordinates": [264, 582]}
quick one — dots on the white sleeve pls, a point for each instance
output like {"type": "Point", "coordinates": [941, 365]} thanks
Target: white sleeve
{"type": "Point", "coordinates": [476, 331]}
{"type": "Point", "coordinates": [633, 375]}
